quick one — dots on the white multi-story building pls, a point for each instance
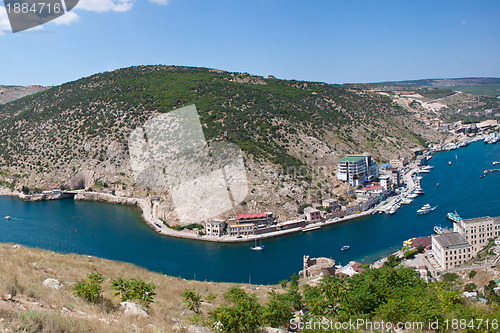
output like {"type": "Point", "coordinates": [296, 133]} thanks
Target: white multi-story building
{"type": "Point", "coordinates": [478, 231]}
{"type": "Point", "coordinates": [386, 182]}
{"type": "Point", "coordinates": [357, 169]}
{"type": "Point", "coordinates": [215, 228]}
{"type": "Point", "coordinates": [468, 238]}
{"type": "Point", "coordinates": [451, 250]}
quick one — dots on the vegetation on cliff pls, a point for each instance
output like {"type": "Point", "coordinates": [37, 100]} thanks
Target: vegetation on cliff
{"type": "Point", "coordinates": [291, 132]}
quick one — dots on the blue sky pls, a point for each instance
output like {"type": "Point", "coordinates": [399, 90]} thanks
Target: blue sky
{"type": "Point", "coordinates": [330, 41]}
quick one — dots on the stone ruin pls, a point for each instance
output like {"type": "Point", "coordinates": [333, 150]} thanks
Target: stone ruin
{"type": "Point", "coordinates": [315, 267]}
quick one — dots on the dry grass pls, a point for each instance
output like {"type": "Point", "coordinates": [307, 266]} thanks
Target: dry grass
{"type": "Point", "coordinates": [34, 308]}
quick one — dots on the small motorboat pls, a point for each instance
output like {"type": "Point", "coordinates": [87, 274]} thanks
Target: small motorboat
{"type": "Point", "coordinates": [345, 247]}
{"type": "Point", "coordinates": [8, 217]}
{"type": "Point", "coordinates": [449, 163]}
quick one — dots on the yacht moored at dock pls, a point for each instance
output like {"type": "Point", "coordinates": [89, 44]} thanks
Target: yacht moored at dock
{"type": "Point", "coordinates": [311, 227]}
{"type": "Point", "coordinates": [454, 217]}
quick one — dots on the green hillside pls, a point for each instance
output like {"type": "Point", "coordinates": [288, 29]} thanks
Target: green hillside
{"type": "Point", "coordinates": [49, 137]}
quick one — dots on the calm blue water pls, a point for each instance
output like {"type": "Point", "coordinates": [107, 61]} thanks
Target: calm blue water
{"type": "Point", "coordinates": [117, 232]}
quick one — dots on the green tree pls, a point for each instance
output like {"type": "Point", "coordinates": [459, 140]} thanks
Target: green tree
{"type": "Point", "coordinates": [134, 289]}
{"type": "Point", "coordinates": [241, 312]}
{"type": "Point", "coordinates": [90, 288]}
{"type": "Point", "coordinates": [278, 311]}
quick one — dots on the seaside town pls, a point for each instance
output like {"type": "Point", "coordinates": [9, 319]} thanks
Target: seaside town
{"type": "Point", "coordinates": [249, 166]}
{"type": "Point", "coordinates": [372, 189]}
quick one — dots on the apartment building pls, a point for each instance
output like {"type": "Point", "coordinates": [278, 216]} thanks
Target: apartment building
{"type": "Point", "coordinates": [357, 169]}
{"type": "Point", "coordinates": [478, 231]}
{"type": "Point", "coordinates": [451, 250]}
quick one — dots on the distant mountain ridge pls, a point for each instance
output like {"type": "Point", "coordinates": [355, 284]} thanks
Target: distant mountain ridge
{"type": "Point", "coordinates": [11, 93]}
{"type": "Point", "coordinates": [441, 83]}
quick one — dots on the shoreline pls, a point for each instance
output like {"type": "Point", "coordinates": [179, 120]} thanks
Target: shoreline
{"type": "Point", "coordinates": [159, 227]}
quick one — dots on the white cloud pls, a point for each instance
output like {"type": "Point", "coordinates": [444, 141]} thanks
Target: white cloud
{"type": "Point", "coordinates": [160, 2]}
{"type": "Point", "coordinates": [4, 21]}
{"type": "Point", "coordinates": [67, 19]}
{"type": "Point", "coordinates": [106, 5]}
{"type": "Point", "coordinates": [70, 17]}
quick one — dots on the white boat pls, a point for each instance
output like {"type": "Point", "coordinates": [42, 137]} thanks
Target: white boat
{"type": "Point", "coordinates": [345, 247]}
{"type": "Point", "coordinates": [393, 209]}
{"type": "Point", "coordinates": [449, 162]}
{"type": "Point", "coordinates": [492, 138]}
{"type": "Point", "coordinates": [311, 227]}
{"type": "Point", "coordinates": [259, 247]}
{"type": "Point", "coordinates": [423, 171]}
{"type": "Point", "coordinates": [8, 217]}
{"type": "Point", "coordinates": [406, 201]}
{"type": "Point", "coordinates": [454, 217]}
{"type": "Point", "coordinates": [440, 230]}
{"type": "Point", "coordinates": [418, 190]}
{"type": "Point", "coordinates": [425, 209]}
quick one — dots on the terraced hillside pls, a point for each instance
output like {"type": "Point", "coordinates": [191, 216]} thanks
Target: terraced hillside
{"type": "Point", "coordinates": [76, 134]}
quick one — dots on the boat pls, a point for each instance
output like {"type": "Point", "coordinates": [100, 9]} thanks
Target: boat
{"type": "Point", "coordinates": [8, 217]}
{"type": "Point", "coordinates": [311, 227]}
{"type": "Point", "coordinates": [449, 162]}
{"type": "Point", "coordinates": [492, 138]}
{"type": "Point", "coordinates": [496, 162]}
{"type": "Point", "coordinates": [418, 190]}
{"type": "Point", "coordinates": [393, 209]}
{"type": "Point", "coordinates": [437, 185]}
{"type": "Point", "coordinates": [440, 230]}
{"type": "Point", "coordinates": [412, 195]}
{"type": "Point", "coordinates": [259, 247]}
{"type": "Point", "coordinates": [454, 217]}
{"type": "Point", "coordinates": [406, 201]}
{"type": "Point", "coordinates": [423, 171]}
{"type": "Point", "coordinates": [345, 247]}
{"type": "Point", "coordinates": [425, 209]}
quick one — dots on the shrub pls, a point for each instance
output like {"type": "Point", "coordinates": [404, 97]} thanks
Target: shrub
{"type": "Point", "coordinates": [90, 288]}
{"type": "Point", "coordinates": [192, 300]}
{"type": "Point", "coordinates": [450, 277]}
{"type": "Point", "coordinates": [472, 274]}
{"type": "Point", "coordinates": [283, 283]}
{"type": "Point", "coordinates": [470, 287]}
{"type": "Point", "coordinates": [242, 313]}
{"type": "Point", "coordinates": [134, 289]}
